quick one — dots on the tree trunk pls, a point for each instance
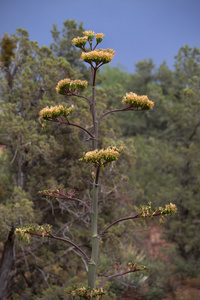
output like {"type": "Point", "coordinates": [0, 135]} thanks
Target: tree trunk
{"type": "Point", "coordinates": [7, 265]}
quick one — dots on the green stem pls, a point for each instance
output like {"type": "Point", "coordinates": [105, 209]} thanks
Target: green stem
{"type": "Point", "coordinates": [94, 214]}
{"type": "Point", "coordinates": [95, 122]}
{"type": "Point", "coordinates": [95, 239]}
{"type": "Point", "coordinates": [91, 277]}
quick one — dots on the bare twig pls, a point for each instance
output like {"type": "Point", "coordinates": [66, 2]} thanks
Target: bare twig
{"type": "Point", "coordinates": [75, 125]}
{"type": "Point", "coordinates": [60, 195]}
{"type": "Point", "coordinates": [81, 96]}
{"type": "Point", "coordinates": [48, 235]}
{"type": "Point", "coordinates": [127, 108]}
{"type": "Point", "coordinates": [116, 275]}
{"type": "Point", "coordinates": [139, 215]}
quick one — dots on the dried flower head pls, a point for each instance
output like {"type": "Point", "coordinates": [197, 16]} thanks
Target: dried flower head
{"type": "Point", "coordinates": [134, 100]}
{"type": "Point", "coordinates": [67, 85]}
{"type": "Point", "coordinates": [98, 56]}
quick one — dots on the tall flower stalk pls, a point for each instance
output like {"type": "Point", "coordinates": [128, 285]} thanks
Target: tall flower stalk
{"type": "Point", "coordinates": [98, 158]}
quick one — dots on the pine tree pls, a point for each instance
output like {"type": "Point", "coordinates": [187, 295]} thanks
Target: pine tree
{"type": "Point", "coordinates": [28, 75]}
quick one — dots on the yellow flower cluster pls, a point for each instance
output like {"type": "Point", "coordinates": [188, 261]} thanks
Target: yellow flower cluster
{"type": "Point", "coordinates": [171, 208]}
{"type": "Point", "coordinates": [67, 85]}
{"type": "Point", "coordinates": [90, 34]}
{"type": "Point", "coordinates": [102, 156]}
{"type": "Point", "coordinates": [85, 293]}
{"type": "Point", "coordinates": [80, 41]}
{"type": "Point", "coordinates": [49, 193]}
{"type": "Point", "coordinates": [53, 112]}
{"type": "Point", "coordinates": [99, 37]}
{"type": "Point", "coordinates": [135, 267]}
{"type": "Point", "coordinates": [98, 56]}
{"type": "Point", "coordinates": [134, 100]}
{"type": "Point", "coordinates": [25, 232]}
{"type": "Point", "coordinates": [23, 235]}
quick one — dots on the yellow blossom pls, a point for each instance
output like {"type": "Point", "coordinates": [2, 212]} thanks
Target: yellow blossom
{"type": "Point", "coordinates": [64, 82]}
{"type": "Point", "coordinates": [67, 85]}
{"type": "Point", "coordinates": [25, 232]}
{"type": "Point", "coordinates": [53, 112]}
{"type": "Point", "coordinates": [90, 34]}
{"type": "Point", "coordinates": [98, 56]}
{"type": "Point", "coordinates": [102, 156]}
{"type": "Point", "coordinates": [171, 208]}
{"type": "Point", "coordinates": [80, 41]}
{"type": "Point", "coordinates": [134, 100]}
{"type": "Point", "coordinates": [99, 37]}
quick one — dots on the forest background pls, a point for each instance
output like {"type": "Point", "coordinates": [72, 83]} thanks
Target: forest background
{"type": "Point", "coordinates": [162, 166]}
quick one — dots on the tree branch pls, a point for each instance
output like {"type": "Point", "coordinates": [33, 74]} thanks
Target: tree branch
{"type": "Point", "coordinates": [60, 120]}
{"type": "Point", "coordinates": [49, 235]}
{"type": "Point", "coordinates": [127, 108]}
{"type": "Point", "coordinates": [95, 46]}
{"type": "Point", "coordinates": [194, 131]}
{"type": "Point", "coordinates": [63, 196]}
{"type": "Point", "coordinates": [139, 215]}
{"type": "Point", "coordinates": [116, 275]}
{"type": "Point", "coordinates": [81, 96]}
{"type": "Point", "coordinates": [117, 221]}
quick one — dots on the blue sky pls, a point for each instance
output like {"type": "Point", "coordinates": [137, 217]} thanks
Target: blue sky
{"type": "Point", "coordinates": [135, 29]}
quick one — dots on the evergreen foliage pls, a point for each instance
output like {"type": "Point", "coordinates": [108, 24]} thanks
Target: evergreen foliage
{"type": "Point", "coordinates": [165, 170]}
